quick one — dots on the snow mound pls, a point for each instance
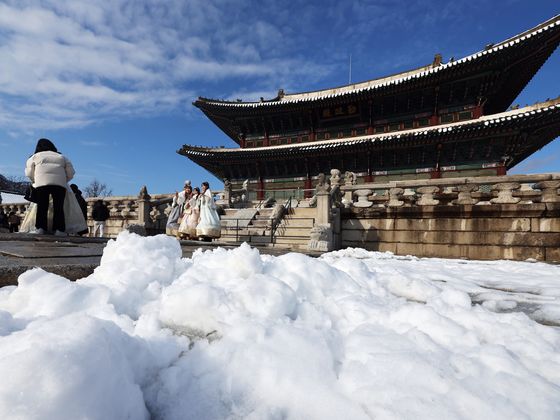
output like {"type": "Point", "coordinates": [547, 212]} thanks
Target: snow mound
{"type": "Point", "coordinates": [236, 334]}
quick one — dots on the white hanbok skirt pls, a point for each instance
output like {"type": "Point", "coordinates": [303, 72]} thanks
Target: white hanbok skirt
{"type": "Point", "coordinates": [209, 223]}
{"type": "Point", "coordinates": [73, 216]}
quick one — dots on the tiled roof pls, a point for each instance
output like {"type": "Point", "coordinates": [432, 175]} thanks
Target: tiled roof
{"type": "Point", "coordinates": [390, 80]}
{"type": "Point", "coordinates": [488, 120]}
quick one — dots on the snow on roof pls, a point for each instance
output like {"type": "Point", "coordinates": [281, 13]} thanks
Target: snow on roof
{"type": "Point", "coordinates": [9, 198]}
{"type": "Point", "coordinates": [321, 144]}
{"type": "Point", "coordinates": [394, 79]}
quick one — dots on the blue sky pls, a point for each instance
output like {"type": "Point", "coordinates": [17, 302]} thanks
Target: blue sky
{"type": "Point", "coordinates": [112, 82]}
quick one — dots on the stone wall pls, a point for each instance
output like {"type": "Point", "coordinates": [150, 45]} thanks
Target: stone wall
{"type": "Point", "coordinates": [502, 231]}
{"type": "Point", "coordinates": [508, 217]}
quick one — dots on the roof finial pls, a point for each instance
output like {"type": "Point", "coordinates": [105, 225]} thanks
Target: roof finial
{"type": "Point", "coordinates": [437, 60]}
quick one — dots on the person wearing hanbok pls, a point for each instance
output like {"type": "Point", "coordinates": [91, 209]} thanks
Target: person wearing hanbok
{"type": "Point", "coordinates": [209, 224]}
{"type": "Point", "coordinates": [179, 199]}
{"type": "Point", "coordinates": [73, 216]}
{"type": "Point", "coordinates": [185, 213]}
{"type": "Point", "coordinates": [49, 172]}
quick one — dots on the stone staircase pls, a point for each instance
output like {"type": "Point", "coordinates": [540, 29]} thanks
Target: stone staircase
{"type": "Point", "coordinates": [292, 232]}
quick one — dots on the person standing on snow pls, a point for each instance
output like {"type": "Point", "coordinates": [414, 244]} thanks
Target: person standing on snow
{"type": "Point", "coordinates": [49, 172]}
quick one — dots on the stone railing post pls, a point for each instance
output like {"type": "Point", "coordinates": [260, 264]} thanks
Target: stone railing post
{"type": "Point", "coordinates": [321, 236]}
{"type": "Point", "coordinates": [324, 204]}
{"type": "Point", "coordinates": [465, 196]}
{"type": "Point", "coordinates": [394, 197]}
{"type": "Point", "coordinates": [144, 207]}
{"type": "Point", "coordinates": [549, 191]}
{"type": "Point", "coordinates": [363, 198]}
{"type": "Point", "coordinates": [505, 193]}
{"type": "Point", "coordinates": [427, 196]}
{"type": "Point", "coordinates": [227, 193]}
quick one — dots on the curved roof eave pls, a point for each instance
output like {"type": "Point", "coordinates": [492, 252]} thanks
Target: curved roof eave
{"type": "Point", "coordinates": [385, 81]}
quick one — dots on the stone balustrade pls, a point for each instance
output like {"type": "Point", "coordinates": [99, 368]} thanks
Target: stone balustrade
{"type": "Point", "coordinates": [512, 189]}
{"type": "Point", "coordinates": [148, 213]}
{"type": "Point", "coordinates": [514, 217]}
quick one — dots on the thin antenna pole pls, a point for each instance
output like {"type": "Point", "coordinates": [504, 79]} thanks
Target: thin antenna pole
{"type": "Point", "coordinates": [350, 71]}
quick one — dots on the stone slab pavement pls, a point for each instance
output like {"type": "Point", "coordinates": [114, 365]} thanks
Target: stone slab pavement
{"type": "Point", "coordinates": [73, 257]}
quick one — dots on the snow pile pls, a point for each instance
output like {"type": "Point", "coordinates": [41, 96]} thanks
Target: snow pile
{"type": "Point", "coordinates": [236, 334]}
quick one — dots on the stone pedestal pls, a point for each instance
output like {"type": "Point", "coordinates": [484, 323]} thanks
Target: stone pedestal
{"type": "Point", "coordinates": [505, 193]}
{"type": "Point", "coordinates": [321, 238]}
{"type": "Point", "coordinates": [549, 191]}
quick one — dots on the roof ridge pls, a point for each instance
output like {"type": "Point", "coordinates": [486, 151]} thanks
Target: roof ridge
{"type": "Point", "coordinates": [387, 80]}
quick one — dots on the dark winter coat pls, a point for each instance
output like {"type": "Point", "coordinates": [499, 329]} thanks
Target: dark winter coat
{"type": "Point", "coordinates": [82, 203]}
{"type": "Point", "coordinates": [13, 219]}
{"type": "Point", "coordinates": [100, 212]}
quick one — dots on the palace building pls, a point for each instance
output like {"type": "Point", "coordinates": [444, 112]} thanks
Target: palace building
{"type": "Point", "coordinates": [441, 120]}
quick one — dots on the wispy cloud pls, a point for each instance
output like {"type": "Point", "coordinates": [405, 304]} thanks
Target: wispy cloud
{"type": "Point", "coordinates": [90, 143]}
{"type": "Point", "coordinates": [536, 164]}
{"type": "Point", "coordinates": [71, 64]}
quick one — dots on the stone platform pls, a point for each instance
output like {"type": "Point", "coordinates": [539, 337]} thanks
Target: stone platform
{"type": "Point", "coordinates": [71, 257]}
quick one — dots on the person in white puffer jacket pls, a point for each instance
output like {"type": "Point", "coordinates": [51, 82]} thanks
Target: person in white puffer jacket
{"type": "Point", "coordinates": [49, 171]}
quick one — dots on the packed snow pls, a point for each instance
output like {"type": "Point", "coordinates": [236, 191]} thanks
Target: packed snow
{"type": "Point", "coordinates": [8, 198]}
{"type": "Point", "coordinates": [236, 334]}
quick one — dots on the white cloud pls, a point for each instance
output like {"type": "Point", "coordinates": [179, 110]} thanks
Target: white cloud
{"type": "Point", "coordinates": [69, 64]}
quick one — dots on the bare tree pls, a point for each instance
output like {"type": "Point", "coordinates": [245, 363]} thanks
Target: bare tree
{"type": "Point", "coordinates": [97, 189]}
{"type": "Point", "coordinates": [17, 179]}
{"type": "Point", "coordinates": [14, 183]}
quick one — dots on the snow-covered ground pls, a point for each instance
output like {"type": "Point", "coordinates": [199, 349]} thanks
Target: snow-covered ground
{"type": "Point", "coordinates": [236, 334]}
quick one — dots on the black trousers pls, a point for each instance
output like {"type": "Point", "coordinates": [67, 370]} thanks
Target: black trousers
{"type": "Point", "coordinates": [58, 193]}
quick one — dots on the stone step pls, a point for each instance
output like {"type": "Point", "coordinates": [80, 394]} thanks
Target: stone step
{"type": "Point", "coordinates": [304, 212]}
{"type": "Point", "coordinates": [290, 232]}
{"type": "Point", "coordinates": [291, 241]}
{"type": "Point", "coordinates": [265, 212]}
{"type": "Point", "coordinates": [295, 222]}
{"type": "Point", "coordinates": [258, 231]}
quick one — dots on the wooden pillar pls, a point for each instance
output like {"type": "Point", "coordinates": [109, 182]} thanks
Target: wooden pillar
{"type": "Point", "coordinates": [260, 189]}
{"type": "Point", "coordinates": [369, 176]}
{"type": "Point", "coordinates": [370, 118]}
{"type": "Point", "coordinates": [477, 111]}
{"type": "Point", "coordinates": [266, 139]}
{"type": "Point", "coordinates": [308, 188]}
{"type": "Point", "coordinates": [435, 174]}
{"type": "Point", "coordinates": [501, 170]}
{"type": "Point", "coordinates": [311, 127]}
{"type": "Point", "coordinates": [434, 120]}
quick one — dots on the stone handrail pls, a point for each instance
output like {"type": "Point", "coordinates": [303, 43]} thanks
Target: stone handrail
{"type": "Point", "coordinates": [511, 189]}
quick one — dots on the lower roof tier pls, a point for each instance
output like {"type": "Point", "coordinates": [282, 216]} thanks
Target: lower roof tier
{"type": "Point", "coordinates": [508, 138]}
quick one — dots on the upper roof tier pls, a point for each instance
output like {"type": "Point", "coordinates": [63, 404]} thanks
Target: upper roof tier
{"type": "Point", "coordinates": [545, 33]}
